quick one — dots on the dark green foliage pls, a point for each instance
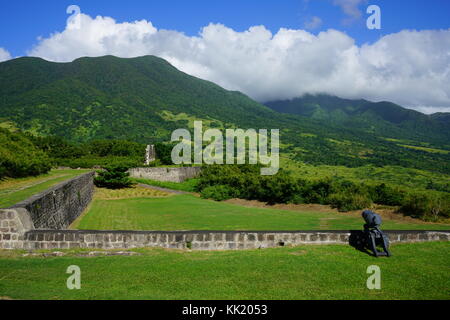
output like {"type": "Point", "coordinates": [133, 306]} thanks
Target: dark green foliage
{"type": "Point", "coordinates": [383, 194]}
{"type": "Point", "coordinates": [95, 162]}
{"type": "Point", "coordinates": [91, 154]}
{"type": "Point", "coordinates": [57, 147]}
{"type": "Point", "coordinates": [382, 118]}
{"type": "Point", "coordinates": [19, 157]}
{"type": "Point", "coordinates": [221, 182]}
{"type": "Point", "coordinates": [245, 181]}
{"type": "Point", "coordinates": [349, 201]}
{"type": "Point", "coordinates": [113, 177]}
{"type": "Point", "coordinates": [118, 148]}
{"type": "Point", "coordinates": [445, 187]}
{"type": "Point", "coordinates": [218, 193]}
{"type": "Point", "coordinates": [164, 153]}
{"type": "Point", "coordinates": [426, 206]}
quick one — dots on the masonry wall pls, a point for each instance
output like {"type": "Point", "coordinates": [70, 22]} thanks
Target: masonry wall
{"type": "Point", "coordinates": [199, 240]}
{"type": "Point", "coordinates": [177, 174]}
{"type": "Point", "coordinates": [59, 206]}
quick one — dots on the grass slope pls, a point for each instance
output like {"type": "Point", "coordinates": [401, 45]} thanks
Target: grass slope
{"type": "Point", "coordinates": [416, 271]}
{"type": "Point", "coordinates": [16, 190]}
{"type": "Point", "coordinates": [187, 212]}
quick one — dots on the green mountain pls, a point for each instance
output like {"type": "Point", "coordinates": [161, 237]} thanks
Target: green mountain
{"type": "Point", "coordinates": [384, 118]}
{"type": "Point", "coordinates": [110, 97]}
{"type": "Point", "coordinates": [144, 99]}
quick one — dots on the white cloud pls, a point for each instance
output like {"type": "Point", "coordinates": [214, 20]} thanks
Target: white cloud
{"type": "Point", "coordinates": [350, 7]}
{"type": "Point", "coordinates": [411, 68]}
{"type": "Point", "coordinates": [313, 23]}
{"type": "Point", "coordinates": [430, 110]}
{"type": "Point", "coordinates": [4, 55]}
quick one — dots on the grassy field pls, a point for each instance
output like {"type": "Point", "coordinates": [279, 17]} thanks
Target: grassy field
{"type": "Point", "coordinates": [16, 190]}
{"type": "Point", "coordinates": [187, 185]}
{"type": "Point", "coordinates": [187, 212]}
{"type": "Point", "coordinates": [416, 271]}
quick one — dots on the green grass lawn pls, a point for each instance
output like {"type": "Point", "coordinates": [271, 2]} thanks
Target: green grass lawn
{"type": "Point", "coordinates": [187, 212]}
{"type": "Point", "coordinates": [187, 185]}
{"type": "Point", "coordinates": [416, 271]}
{"type": "Point", "coordinates": [13, 191]}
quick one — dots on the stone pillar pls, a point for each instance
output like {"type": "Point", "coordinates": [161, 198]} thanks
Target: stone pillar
{"type": "Point", "coordinates": [150, 154]}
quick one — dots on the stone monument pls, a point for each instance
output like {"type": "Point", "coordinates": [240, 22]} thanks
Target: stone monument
{"type": "Point", "coordinates": [150, 154]}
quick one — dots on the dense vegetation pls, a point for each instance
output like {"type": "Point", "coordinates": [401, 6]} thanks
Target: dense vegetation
{"type": "Point", "coordinates": [99, 153]}
{"type": "Point", "coordinates": [96, 153]}
{"type": "Point", "coordinates": [19, 157]}
{"type": "Point", "coordinates": [144, 99]}
{"type": "Point", "coordinates": [244, 181]}
{"type": "Point", "coordinates": [24, 155]}
{"type": "Point", "coordinates": [381, 118]}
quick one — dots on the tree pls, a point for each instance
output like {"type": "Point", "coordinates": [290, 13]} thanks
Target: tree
{"type": "Point", "coordinates": [113, 177]}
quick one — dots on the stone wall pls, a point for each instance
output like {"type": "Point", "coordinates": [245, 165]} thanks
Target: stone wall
{"type": "Point", "coordinates": [197, 240]}
{"type": "Point", "coordinates": [14, 223]}
{"type": "Point", "coordinates": [59, 206]}
{"type": "Point", "coordinates": [176, 174]}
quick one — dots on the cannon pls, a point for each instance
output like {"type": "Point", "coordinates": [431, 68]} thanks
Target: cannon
{"type": "Point", "coordinates": [373, 235]}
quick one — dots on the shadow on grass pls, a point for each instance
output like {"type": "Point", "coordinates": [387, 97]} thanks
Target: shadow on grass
{"type": "Point", "coordinates": [358, 241]}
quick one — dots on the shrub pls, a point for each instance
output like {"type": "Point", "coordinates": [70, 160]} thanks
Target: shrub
{"type": "Point", "coordinates": [317, 191]}
{"type": "Point", "coordinates": [113, 177]}
{"type": "Point", "coordinates": [218, 193]}
{"type": "Point", "coordinates": [430, 207]}
{"type": "Point", "coordinates": [349, 201]}
{"type": "Point", "coordinates": [383, 194]}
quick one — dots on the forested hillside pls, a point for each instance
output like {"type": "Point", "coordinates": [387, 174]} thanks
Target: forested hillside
{"type": "Point", "coordinates": [110, 97]}
{"type": "Point", "coordinates": [19, 157]}
{"type": "Point", "coordinates": [382, 118]}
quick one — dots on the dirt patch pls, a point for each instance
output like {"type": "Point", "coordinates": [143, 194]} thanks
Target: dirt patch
{"type": "Point", "coordinates": [281, 206]}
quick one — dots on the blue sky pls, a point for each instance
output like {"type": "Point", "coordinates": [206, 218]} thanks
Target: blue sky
{"type": "Point", "coordinates": [21, 22]}
{"type": "Point", "coordinates": [268, 50]}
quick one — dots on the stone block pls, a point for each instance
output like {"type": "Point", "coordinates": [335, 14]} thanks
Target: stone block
{"type": "Point", "coordinates": [251, 237]}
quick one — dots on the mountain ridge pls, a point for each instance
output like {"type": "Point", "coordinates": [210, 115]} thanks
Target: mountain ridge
{"type": "Point", "coordinates": [381, 117]}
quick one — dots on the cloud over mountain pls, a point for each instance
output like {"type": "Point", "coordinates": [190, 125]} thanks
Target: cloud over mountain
{"type": "Point", "coordinates": [4, 55]}
{"type": "Point", "coordinates": [411, 68]}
